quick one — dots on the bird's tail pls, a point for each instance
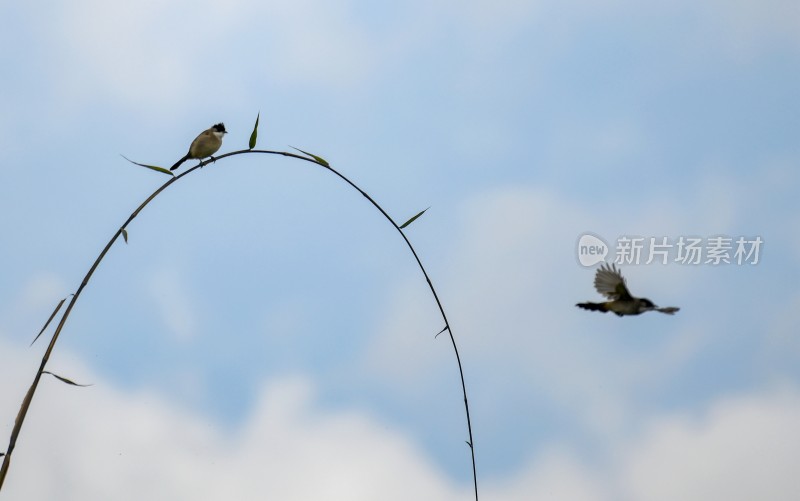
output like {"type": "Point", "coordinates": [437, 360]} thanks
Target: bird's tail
{"type": "Point", "coordinates": [593, 306]}
{"type": "Point", "coordinates": [669, 310]}
{"type": "Point", "coordinates": [179, 162]}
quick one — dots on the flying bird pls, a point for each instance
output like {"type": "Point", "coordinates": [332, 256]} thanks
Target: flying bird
{"type": "Point", "coordinates": [204, 145]}
{"type": "Point", "coordinates": [609, 282]}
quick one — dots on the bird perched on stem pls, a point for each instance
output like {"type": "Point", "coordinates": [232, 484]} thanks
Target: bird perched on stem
{"type": "Point", "coordinates": [204, 145]}
{"type": "Point", "coordinates": [609, 282]}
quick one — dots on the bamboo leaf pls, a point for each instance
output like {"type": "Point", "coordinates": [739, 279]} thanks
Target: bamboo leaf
{"type": "Point", "coordinates": [52, 315]}
{"type": "Point", "coordinates": [254, 134]}
{"type": "Point", "coordinates": [152, 167]}
{"type": "Point", "coordinates": [413, 219]}
{"type": "Point", "coordinates": [319, 160]}
{"type": "Point", "coordinates": [65, 380]}
{"type": "Point", "coordinates": [124, 235]}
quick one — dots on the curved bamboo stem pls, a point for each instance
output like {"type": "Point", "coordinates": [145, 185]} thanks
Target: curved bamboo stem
{"type": "Point", "coordinates": [32, 390]}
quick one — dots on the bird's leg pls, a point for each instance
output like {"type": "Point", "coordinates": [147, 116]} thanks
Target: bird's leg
{"type": "Point", "coordinates": [212, 159]}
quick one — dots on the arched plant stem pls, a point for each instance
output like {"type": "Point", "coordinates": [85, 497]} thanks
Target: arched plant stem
{"type": "Point", "coordinates": [23, 411]}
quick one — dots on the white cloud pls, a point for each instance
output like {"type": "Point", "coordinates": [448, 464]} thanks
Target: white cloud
{"type": "Point", "coordinates": [741, 448]}
{"type": "Point", "coordinates": [738, 448]}
{"type": "Point", "coordinates": [178, 53]}
{"type": "Point", "coordinates": [404, 352]}
{"type": "Point", "coordinates": [555, 475]}
{"type": "Point", "coordinates": [510, 289]}
{"type": "Point", "coordinates": [489, 20]}
{"type": "Point", "coordinates": [26, 313]}
{"type": "Point", "coordinates": [123, 50]}
{"type": "Point", "coordinates": [42, 290]}
{"type": "Point", "coordinates": [747, 28]}
{"type": "Point", "coordinates": [509, 293]}
{"type": "Point", "coordinates": [174, 303]}
{"type": "Point", "coordinates": [182, 52]}
{"type": "Point", "coordinates": [317, 42]}
{"type": "Point", "coordinates": [101, 443]}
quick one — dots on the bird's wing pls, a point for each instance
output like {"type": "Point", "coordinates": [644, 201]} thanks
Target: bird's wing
{"type": "Point", "coordinates": [202, 136]}
{"type": "Point", "coordinates": [609, 282]}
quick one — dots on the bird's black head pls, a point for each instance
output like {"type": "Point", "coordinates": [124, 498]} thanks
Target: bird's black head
{"type": "Point", "coordinates": [646, 303]}
{"type": "Point", "coordinates": [220, 127]}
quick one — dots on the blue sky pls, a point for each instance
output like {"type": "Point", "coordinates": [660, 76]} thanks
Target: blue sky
{"type": "Point", "coordinates": [266, 334]}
